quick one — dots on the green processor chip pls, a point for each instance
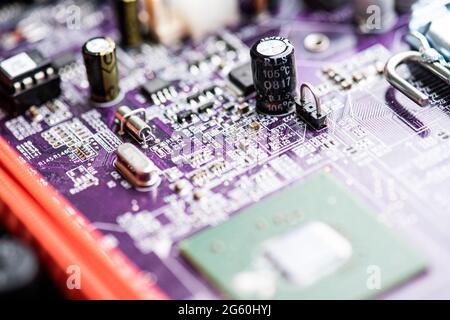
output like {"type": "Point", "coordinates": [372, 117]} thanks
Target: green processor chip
{"type": "Point", "coordinates": [311, 241]}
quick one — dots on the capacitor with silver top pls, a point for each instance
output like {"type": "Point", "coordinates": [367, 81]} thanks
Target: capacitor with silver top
{"type": "Point", "coordinates": [274, 75]}
{"type": "Point", "coordinates": [374, 16]}
{"type": "Point", "coordinates": [99, 56]}
{"type": "Point", "coordinates": [136, 167]}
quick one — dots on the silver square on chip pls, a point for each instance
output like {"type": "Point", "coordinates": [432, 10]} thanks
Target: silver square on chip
{"type": "Point", "coordinates": [308, 253]}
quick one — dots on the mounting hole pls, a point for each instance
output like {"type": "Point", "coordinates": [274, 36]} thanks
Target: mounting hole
{"type": "Point", "coordinates": [316, 42]}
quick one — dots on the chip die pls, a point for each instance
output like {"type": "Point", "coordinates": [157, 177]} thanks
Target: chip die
{"type": "Point", "coordinates": [310, 241]}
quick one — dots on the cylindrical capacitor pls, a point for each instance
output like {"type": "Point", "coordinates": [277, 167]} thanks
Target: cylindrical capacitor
{"type": "Point", "coordinates": [101, 67]}
{"type": "Point", "coordinates": [134, 124]}
{"type": "Point", "coordinates": [274, 75]}
{"type": "Point", "coordinates": [374, 16]}
{"type": "Point", "coordinates": [127, 12]}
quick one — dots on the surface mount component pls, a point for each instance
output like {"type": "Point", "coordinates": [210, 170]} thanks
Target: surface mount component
{"type": "Point", "coordinates": [274, 75]}
{"type": "Point", "coordinates": [241, 77]}
{"type": "Point", "coordinates": [99, 56]}
{"type": "Point", "coordinates": [313, 240]}
{"type": "Point", "coordinates": [136, 167]}
{"type": "Point", "coordinates": [27, 79]}
{"type": "Point", "coordinates": [312, 113]}
{"type": "Point", "coordinates": [131, 121]}
{"type": "Point", "coordinates": [153, 87]}
{"type": "Point", "coordinates": [128, 22]}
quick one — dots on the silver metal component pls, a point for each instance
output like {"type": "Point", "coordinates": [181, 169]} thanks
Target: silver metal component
{"type": "Point", "coordinates": [312, 89]}
{"type": "Point", "coordinates": [431, 19]}
{"type": "Point", "coordinates": [316, 42]}
{"type": "Point", "coordinates": [392, 76]}
{"type": "Point", "coordinates": [131, 121]}
{"type": "Point", "coordinates": [136, 167]}
{"type": "Point", "coordinates": [429, 54]}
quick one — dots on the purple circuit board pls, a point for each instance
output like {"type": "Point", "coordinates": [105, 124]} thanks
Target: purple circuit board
{"type": "Point", "coordinates": [391, 154]}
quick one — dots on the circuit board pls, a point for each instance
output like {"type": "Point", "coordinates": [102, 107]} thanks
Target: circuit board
{"type": "Point", "coordinates": [217, 157]}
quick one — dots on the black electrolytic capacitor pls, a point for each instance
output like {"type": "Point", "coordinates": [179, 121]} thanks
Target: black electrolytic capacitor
{"type": "Point", "coordinates": [127, 12]}
{"type": "Point", "coordinates": [274, 75]}
{"type": "Point", "coordinates": [99, 56]}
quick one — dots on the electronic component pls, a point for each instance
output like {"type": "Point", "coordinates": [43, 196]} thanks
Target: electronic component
{"type": "Point", "coordinates": [128, 22]}
{"type": "Point", "coordinates": [431, 20]}
{"type": "Point", "coordinates": [184, 116]}
{"type": "Point", "coordinates": [101, 67]}
{"type": "Point", "coordinates": [152, 87]}
{"type": "Point", "coordinates": [136, 167]}
{"type": "Point", "coordinates": [130, 121]}
{"type": "Point", "coordinates": [309, 252]}
{"type": "Point", "coordinates": [27, 79]}
{"type": "Point", "coordinates": [374, 16]}
{"type": "Point", "coordinates": [205, 107]}
{"type": "Point", "coordinates": [274, 75]}
{"type": "Point", "coordinates": [332, 251]}
{"type": "Point", "coordinates": [312, 113]}
{"type": "Point", "coordinates": [242, 78]}
{"type": "Point", "coordinates": [428, 58]}
{"type": "Point", "coordinates": [197, 123]}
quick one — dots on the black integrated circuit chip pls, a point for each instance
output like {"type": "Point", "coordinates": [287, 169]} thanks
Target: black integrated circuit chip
{"type": "Point", "coordinates": [184, 116]}
{"type": "Point", "coordinates": [28, 79]}
{"type": "Point", "coordinates": [154, 86]}
{"type": "Point", "coordinates": [242, 78]}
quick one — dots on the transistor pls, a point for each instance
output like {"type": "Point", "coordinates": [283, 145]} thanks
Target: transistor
{"type": "Point", "coordinates": [28, 79]}
{"type": "Point", "coordinates": [205, 107]}
{"type": "Point", "coordinates": [184, 116]}
{"type": "Point", "coordinates": [242, 78]}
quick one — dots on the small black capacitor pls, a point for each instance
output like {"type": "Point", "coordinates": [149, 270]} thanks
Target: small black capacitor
{"type": "Point", "coordinates": [127, 12]}
{"type": "Point", "coordinates": [99, 56]}
{"type": "Point", "coordinates": [274, 75]}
